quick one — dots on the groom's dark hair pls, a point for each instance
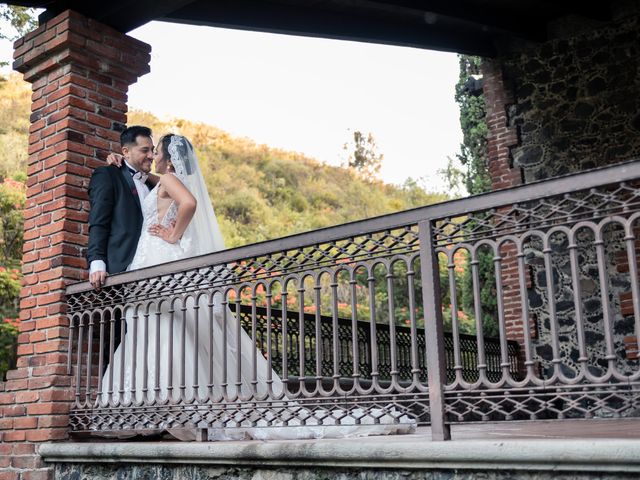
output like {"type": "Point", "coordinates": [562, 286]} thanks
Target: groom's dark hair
{"type": "Point", "coordinates": [129, 135]}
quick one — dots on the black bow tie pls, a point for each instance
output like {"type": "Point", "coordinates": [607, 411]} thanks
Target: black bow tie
{"type": "Point", "coordinates": [138, 175]}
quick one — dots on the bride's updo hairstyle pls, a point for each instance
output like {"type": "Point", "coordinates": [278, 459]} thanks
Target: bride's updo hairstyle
{"type": "Point", "coordinates": [177, 149]}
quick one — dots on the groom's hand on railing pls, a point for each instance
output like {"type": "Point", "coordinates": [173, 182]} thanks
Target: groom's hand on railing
{"type": "Point", "coordinates": [97, 279]}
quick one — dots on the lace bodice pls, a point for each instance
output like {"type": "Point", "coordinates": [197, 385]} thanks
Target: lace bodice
{"type": "Point", "coordinates": [150, 210]}
{"type": "Point", "coordinates": [154, 250]}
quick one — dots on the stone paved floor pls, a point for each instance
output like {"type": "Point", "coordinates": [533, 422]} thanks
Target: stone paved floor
{"type": "Point", "coordinates": [622, 428]}
{"type": "Point", "coordinates": [600, 428]}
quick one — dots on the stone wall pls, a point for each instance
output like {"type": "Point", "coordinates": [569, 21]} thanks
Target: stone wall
{"type": "Point", "coordinates": [409, 457]}
{"type": "Point", "coordinates": [576, 101]}
{"type": "Point", "coordinates": [593, 304]}
{"type": "Point", "coordinates": [574, 104]}
{"type": "Point", "coordinates": [203, 472]}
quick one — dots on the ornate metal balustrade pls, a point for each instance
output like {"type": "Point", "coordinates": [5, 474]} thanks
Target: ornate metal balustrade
{"type": "Point", "coordinates": [468, 348]}
{"type": "Point", "coordinates": [364, 307]}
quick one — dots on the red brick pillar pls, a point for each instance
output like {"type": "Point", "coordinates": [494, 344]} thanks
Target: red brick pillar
{"type": "Point", "coordinates": [501, 138]}
{"type": "Point", "coordinates": [80, 71]}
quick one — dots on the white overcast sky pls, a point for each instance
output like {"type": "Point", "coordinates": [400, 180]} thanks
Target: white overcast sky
{"type": "Point", "coordinates": [306, 94]}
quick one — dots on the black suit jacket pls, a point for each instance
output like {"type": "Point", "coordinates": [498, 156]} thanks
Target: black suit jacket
{"type": "Point", "coordinates": [115, 219]}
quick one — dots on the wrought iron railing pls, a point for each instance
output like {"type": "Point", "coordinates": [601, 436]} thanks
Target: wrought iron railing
{"type": "Point", "coordinates": [563, 253]}
{"type": "Point", "coordinates": [468, 348]}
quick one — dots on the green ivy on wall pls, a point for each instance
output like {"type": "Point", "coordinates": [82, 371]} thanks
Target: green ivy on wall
{"type": "Point", "coordinates": [475, 176]}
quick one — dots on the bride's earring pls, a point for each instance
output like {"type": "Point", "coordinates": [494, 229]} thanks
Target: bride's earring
{"type": "Point", "coordinates": [170, 167]}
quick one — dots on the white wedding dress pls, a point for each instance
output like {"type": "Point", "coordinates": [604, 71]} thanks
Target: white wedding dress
{"type": "Point", "coordinates": [165, 336]}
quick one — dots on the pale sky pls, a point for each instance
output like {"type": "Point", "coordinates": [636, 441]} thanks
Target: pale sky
{"type": "Point", "coordinates": [306, 94]}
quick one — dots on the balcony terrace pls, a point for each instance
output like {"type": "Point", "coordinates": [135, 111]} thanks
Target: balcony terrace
{"type": "Point", "coordinates": [376, 364]}
{"type": "Point", "coordinates": [367, 323]}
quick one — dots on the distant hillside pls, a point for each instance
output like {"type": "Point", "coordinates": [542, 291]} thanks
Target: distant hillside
{"type": "Point", "coordinates": [15, 108]}
{"type": "Point", "coordinates": [258, 192]}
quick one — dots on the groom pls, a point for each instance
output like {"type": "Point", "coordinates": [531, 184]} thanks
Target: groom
{"type": "Point", "coordinates": [115, 194]}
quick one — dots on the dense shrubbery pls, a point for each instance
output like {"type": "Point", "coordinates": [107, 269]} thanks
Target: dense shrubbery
{"type": "Point", "coordinates": [15, 101]}
{"type": "Point", "coordinates": [12, 199]}
{"type": "Point", "coordinates": [261, 193]}
{"type": "Point", "coordinates": [8, 344]}
{"type": "Point", "coordinates": [475, 176]}
{"type": "Point", "coordinates": [9, 291]}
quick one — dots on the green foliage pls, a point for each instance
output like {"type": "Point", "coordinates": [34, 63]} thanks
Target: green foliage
{"type": "Point", "coordinates": [454, 177]}
{"type": "Point", "coordinates": [260, 193]}
{"type": "Point", "coordinates": [466, 322]}
{"type": "Point", "coordinates": [12, 201]}
{"type": "Point", "coordinates": [8, 343]}
{"type": "Point", "coordinates": [476, 179]}
{"type": "Point", "coordinates": [15, 22]}
{"type": "Point", "coordinates": [21, 21]}
{"type": "Point", "coordinates": [9, 291]}
{"type": "Point", "coordinates": [15, 108]}
{"type": "Point", "coordinates": [473, 155]}
{"type": "Point", "coordinates": [488, 299]}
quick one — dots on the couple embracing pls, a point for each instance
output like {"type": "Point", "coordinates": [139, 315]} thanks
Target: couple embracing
{"type": "Point", "coordinates": [138, 220]}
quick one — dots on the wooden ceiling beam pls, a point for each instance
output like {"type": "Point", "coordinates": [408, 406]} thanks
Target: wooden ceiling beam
{"type": "Point", "coordinates": [132, 15]}
{"type": "Point", "coordinates": [460, 14]}
{"type": "Point", "coordinates": [600, 10]}
{"type": "Point", "coordinates": [122, 15]}
{"type": "Point", "coordinates": [296, 18]}
{"type": "Point", "coordinates": [463, 26]}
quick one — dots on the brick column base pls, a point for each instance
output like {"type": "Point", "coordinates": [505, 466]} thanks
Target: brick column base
{"type": "Point", "coordinates": [80, 71]}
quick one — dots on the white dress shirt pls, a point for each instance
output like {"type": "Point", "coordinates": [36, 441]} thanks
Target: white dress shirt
{"type": "Point", "coordinates": [143, 190]}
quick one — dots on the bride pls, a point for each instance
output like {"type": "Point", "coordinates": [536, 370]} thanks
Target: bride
{"type": "Point", "coordinates": [179, 222]}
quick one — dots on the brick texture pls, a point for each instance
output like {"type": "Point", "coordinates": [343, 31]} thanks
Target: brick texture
{"type": "Point", "coordinates": [501, 139]}
{"type": "Point", "coordinates": [80, 71]}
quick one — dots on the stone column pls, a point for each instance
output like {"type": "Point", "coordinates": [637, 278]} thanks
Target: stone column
{"type": "Point", "coordinates": [80, 71]}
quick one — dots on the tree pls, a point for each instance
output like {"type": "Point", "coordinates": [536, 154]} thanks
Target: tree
{"type": "Point", "coordinates": [454, 177]}
{"type": "Point", "coordinates": [12, 201]}
{"type": "Point", "coordinates": [364, 157]}
{"type": "Point", "coordinates": [475, 176]}
{"type": "Point", "coordinates": [8, 345]}
{"type": "Point", "coordinates": [14, 22]}
{"type": "Point", "coordinates": [473, 150]}
{"type": "Point", "coordinates": [19, 20]}
{"type": "Point", "coordinates": [15, 107]}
